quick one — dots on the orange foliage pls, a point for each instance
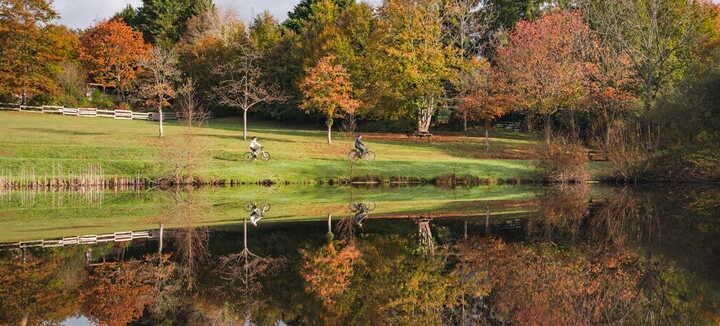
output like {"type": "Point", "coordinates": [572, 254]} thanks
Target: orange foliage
{"type": "Point", "coordinates": [111, 51]}
{"type": "Point", "coordinates": [327, 88]}
{"type": "Point", "coordinates": [482, 95]}
{"type": "Point", "coordinates": [542, 61]}
{"type": "Point", "coordinates": [116, 293]}
{"type": "Point", "coordinates": [328, 270]}
{"type": "Point", "coordinates": [548, 286]}
{"type": "Point", "coordinates": [30, 48]}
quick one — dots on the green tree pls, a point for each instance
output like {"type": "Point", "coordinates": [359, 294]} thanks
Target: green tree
{"type": "Point", "coordinates": [659, 37]}
{"type": "Point", "coordinates": [305, 10]}
{"type": "Point", "coordinates": [165, 21]}
{"type": "Point", "coordinates": [413, 62]}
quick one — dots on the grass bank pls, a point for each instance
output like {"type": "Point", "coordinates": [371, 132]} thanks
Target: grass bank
{"type": "Point", "coordinates": [50, 146]}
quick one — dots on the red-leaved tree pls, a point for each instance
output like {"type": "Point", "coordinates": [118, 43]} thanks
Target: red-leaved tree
{"type": "Point", "coordinates": [544, 65]}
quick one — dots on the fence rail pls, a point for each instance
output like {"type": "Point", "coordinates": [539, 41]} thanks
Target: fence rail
{"type": "Point", "coordinates": [82, 239]}
{"type": "Point", "coordinates": [89, 112]}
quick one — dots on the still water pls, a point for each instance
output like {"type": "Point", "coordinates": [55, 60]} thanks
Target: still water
{"type": "Point", "coordinates": [495, 255]}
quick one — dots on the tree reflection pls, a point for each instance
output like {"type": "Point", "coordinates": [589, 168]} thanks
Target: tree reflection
{"type": "Point", "coordinates": [117, 293]}
{"type": "Point", "coordinates": [32, 291]}
{"type": "Point", "coordinates": [242, 273]}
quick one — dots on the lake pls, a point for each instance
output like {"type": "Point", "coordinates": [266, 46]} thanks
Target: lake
{"type": "Point", "coordinates": [323, 255]}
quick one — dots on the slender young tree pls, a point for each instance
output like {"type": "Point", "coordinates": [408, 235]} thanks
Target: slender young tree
{"type": "Point", "coordinates": [482, 96]}
{"type": "Point", "coordinates": [158, 88]}
{"type": "Point", "coordinates": [243, 86]}
{"type": "Point", "coordinates": [327, 89]}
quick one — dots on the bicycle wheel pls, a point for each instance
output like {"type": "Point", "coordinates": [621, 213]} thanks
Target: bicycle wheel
{"type": "Point", "coordinates": [249, 207]}
{"type": "Point", "coordinates": [265, 207]}
{"type": "Point", "coordinates": [265, 156]}
{"type": "Point", "coordinates": [369, 156]}
{"type": "Point", "coordinates": [353, 207]}
{"type": "Point", "coordinates": [248, 156]}
{"type": "Point", "coordinates": [370, 205]}
{"type": "Point", "coordinates": [353, 155]}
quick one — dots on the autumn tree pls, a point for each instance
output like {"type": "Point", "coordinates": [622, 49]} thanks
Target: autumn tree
{"type": "Point", "coordinates": [327, 89]}
{"type": "Point", "coordinates": [30, 48]}
{"type": "Point", "coordinates": [158, 86]}
{"type": "Point", "coordinates": [610, 85]}
{"type": "Point", "coordinates": [328, 270]}
{"type": "Point", "coordinates": [413, 62]}
{"type": "Point", "coordinates": [32, 293]}
{"type": "Point", "coordinates": [542, 62]}
{"type": "Point", "coordinates": [243, 86]}
{"type": "Point", "coordinates": [117, 293]}
{"type": "Point", "coordinates": [112, 51]}
{"type": "Point", "coordinates": [659, 38]}
{"type": "Point", "coordinates": [482, 95]}
{"type": "Point", "coordinates": [209, 41]}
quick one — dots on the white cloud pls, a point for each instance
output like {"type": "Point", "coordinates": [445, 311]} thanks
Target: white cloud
{"type": "Point", "coordinates": [84, 13]}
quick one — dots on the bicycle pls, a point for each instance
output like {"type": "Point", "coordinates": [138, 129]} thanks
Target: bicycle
{"type": "Point", "coordinates": [264, 207]}
{"type": "Point", "coordinates": [262, 155]}
{"type": "Point", "coordinates": [356, 207]}
{"type": "Point", "coordinates": [354, 155]}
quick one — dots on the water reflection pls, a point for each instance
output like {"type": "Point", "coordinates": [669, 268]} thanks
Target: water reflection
{"type": "Point", "coordinates": [573, 257]}
{"type": "Point", "coordinates": [257, 211]}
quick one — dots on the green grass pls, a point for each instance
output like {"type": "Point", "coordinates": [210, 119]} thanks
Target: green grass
{"type": "Point", "coordinates": [55, 146]}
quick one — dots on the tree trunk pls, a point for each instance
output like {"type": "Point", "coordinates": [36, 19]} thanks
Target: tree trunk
{"type": "Point", "coordinates": [244, 124]}
{"type": "Point", "coordinates": [160, 111]}
{"type": "Point", "coordinates": [487, 135]}
{"type": "Point", "coordinates": [548, 129]}
{"type": "Point", "coordinates": [329, 124]}
{"type": "Point", "coordinates": [465, 119]}
{"type": "Point", "coordinates": [608, 130]}
{"type": "Point", "coordinates": [573, 125]}
{"type": "Point", "coordinates": [425, 117]}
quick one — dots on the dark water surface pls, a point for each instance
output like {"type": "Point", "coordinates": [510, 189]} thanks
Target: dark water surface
{"type": "Point", "coordinates": [496, 255]}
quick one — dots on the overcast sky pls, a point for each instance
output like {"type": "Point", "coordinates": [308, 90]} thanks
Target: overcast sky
{"type": "Point", "coordinates": [84, 13]}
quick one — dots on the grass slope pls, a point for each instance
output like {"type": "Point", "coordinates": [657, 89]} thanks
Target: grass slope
{"type": "Point", "coordinates": [56, 146]}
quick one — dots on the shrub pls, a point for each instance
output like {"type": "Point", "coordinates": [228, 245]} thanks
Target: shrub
{"type": "Point", "coordinates": [100, 100]}
{"type": "Point", "coordinates": [562, 161]}
{"type": "Point", "coordinates": [628, 151]}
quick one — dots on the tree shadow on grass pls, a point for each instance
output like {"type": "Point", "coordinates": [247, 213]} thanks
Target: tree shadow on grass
{"type": "Point", "coordinates": [63, 132]}
{"type": "Point", "coordinates": [240, 138]}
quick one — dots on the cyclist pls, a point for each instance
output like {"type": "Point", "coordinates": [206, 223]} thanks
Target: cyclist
{"type": "Point", "coordinates": [255, 214]}
{"type": "Point", "coordinates": [360, 146]}
{"type": "Point", "coordinates": [255, 147]}
{"type": "Point", "coordinates": [361, 213]}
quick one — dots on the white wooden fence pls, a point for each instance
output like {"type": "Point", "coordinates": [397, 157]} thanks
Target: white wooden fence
{"type": "Point", "coordinates": [83, 239]}
{"type": "Point", "coordinates": [89, 112]}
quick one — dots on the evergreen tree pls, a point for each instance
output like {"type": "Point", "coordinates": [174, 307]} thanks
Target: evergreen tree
{"type": "Point", "coordinates": [165, 21]}
{"type": "Point", "coordinates": [304, 12]}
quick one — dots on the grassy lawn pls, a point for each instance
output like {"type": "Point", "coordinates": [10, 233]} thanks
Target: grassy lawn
{"type": "Point", "coordinates": [55, 146]}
